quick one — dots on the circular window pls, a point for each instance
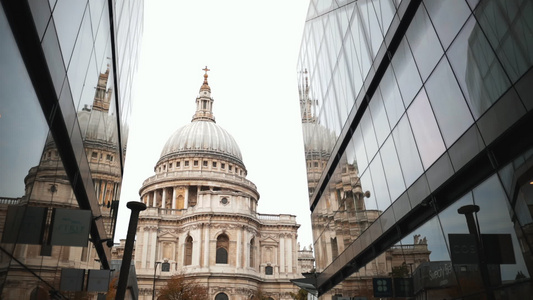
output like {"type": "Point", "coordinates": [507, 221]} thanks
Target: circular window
{"type": "Point", "coordinates": [224, 201]}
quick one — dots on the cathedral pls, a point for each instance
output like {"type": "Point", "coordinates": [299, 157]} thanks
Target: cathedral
{"type": "Point", "coordinates": [202, 221]}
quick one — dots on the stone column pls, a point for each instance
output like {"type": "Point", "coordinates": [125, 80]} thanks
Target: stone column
{"type": "Point", "coordinates": [144, 253]}
{"type": "Point", "coordinates": [154, 199]}
{"type": "Point", "coordinates": [164, 198]}
{"type": "Point", "coordinates": [196, 244]}
{"type": "Point", "coordinates": [247, 239]}
{"type": "Point", "coordinates": [153, 233]}
{"type": "Point", "coordinates": [174, 198]}
{"type": "Point", "coordinates": [206, 245]}
{"type": "Point", "coordinates": [186, 199]}
{"type": "Point", "coordinates": [288, 242]}
{"type": "Point", "coordinates": [238, 258]}
{"type": "Point", "coordinates": [281, 254]}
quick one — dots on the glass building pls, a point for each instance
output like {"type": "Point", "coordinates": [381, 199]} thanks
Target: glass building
{"type": "Point", "coordinates": [417, 122]}
{"type": "Point", "coordinates": [66, 79]}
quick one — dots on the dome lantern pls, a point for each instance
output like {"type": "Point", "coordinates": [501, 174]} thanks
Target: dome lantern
{"type": "Point", "coordinates": [204, 102]}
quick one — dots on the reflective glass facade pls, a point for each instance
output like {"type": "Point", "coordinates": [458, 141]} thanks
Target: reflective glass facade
{"type": "Point", "coordinates": [66, 80]}
{"type": "Point", "coordinates": [417, 120]}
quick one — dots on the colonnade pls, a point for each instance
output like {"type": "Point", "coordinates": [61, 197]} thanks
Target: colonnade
{"type": "Point", "coordinates": [167, 197]}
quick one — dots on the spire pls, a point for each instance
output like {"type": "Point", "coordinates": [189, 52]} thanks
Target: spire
{"type": "Point", "coordinates": [102, 97]}
{"type": "Point", "coordinates": [204, 102]}
{"type": "Point", "coordinates": [205, 86]}
{"type": "Point", "coordinates": [307, 105]}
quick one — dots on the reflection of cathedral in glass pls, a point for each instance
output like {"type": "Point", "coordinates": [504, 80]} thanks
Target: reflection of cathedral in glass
{"type": "Point", "coordinates": [425, 111]}
{"type": "Point", "coordinates": [48, 187]}
{"type": "Point", "coordinates": [202, 221]}
{"type": "Point", "coordinates": [342, 216]}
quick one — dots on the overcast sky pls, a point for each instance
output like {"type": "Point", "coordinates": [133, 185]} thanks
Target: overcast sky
{"type": "Point", "coordinates": [251, 48]}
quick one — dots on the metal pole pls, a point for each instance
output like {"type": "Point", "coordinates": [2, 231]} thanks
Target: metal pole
{"type": "Point", "coordinates": [468, 211]}
{"type": "Point", "coordinates": [153, 286]}
{"type": "Point", "coordinates": [136, 207]}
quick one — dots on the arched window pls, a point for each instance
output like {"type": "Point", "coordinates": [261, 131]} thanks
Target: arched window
{"type": "Point", "coordinates": [222, 249]}
{"type": "Point", "coordinates": [38, 293]}
{"type": "Point", "coordinates": [188, 251]}
{"type": "Point", "coordinates": [269, 270]}
{"type": "Point", "coordinates": [221, 296]}
{"type": "Point", "coordinates": [252, 253]}
{"type": "Point", "coordinates": [334, 248]}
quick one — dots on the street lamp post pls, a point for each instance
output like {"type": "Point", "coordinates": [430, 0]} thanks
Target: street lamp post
{"type": "Point", "coordinates": [473, 228]}
{"type": "Point", "coordinates": [153, 286]}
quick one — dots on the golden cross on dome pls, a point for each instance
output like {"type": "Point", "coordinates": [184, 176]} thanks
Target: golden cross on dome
{"type": "Point", "coordinates": [206, 69]}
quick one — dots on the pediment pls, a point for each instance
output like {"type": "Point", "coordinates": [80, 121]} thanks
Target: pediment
{"type": "Point", "coordinates": [167, 235]}
{"type": "Point", "coordinates": [269, 241]}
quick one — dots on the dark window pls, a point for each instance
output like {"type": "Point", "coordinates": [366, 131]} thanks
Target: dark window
{"type": "Point", "coordinates": [221, 296]}
{"type": "Point", "coordinates": [205, 163]}
{"type": "Point", "coordinates": [222, 256]}
{"type": "Point", "coordinates": [178, 164]}
{"type": "Point", "coordinates": [165, 267]}
{"type": "Point", "coordinates": [188, 251]}
{"type": "Point", "coordinates": [223, 166]}
{"type": "Point", "coordinates": [222, 249]}
{"type": "Point", "coordinates": [252, 246]}
{"type": "Point", "coordinates": [196, 163]}
{"type": "Point", "coordinates": [94, 155]}
{"type": "Point", "coordinates": [186, 163]}
{"type": "Point", "coordinates": [214, 164]}
{"type": "Point", "coordinates": [269, 270]}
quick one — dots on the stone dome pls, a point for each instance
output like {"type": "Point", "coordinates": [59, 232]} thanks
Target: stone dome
{"type": "Point", "coordinates": [318, 139]}
{"type": "Point", "coordinates": [97, 126]}
{"type": "Point", "coordinates": [204, 137]}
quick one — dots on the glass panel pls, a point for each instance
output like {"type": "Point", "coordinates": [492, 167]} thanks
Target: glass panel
{"type": "Point", "coordinates": [77, 68]}
{"type": "Point", "coordinates": [493, 203]}
{"type": "Point", "coordinates": [425, 129]}
{"type": "Point", "coordinates": [379, 117]}
{"type": "Point", "coordinates": [360, 47]}
{"type": "Point", "coordinates": [381, 190]}
{"type": "Point", "coordinates": [447, 17]}
{"type": "Point", "coordinates": [424, 43]}
{"type": "Point", "coordinates": [393, 171]}
{"type": "Point", "coordinates": [509, 29]}
{"type": "Point", "coordinates": [391, 97]}
{"type": "Point", "coordinates": [23, 128]}
{"type": "Point", "coordinates": [448, 103]}
{"type": "Point", "coordinates": [385, 12]}
{"type": "Point", "coordinates": [425, 252]}
{"type": "Point", "coordinates": [407, 151]}
{"type": "Point", "coordinates": [373, 35]}
{"type": "Point", "coordinates": [368, 186]}
{"type": "Point", "coordinates": [477, 69]}
{"type": "Point", "coordinates": [360, 152]}
{"type": "Point", "coordinates": [67, 16]}
{"type": "Point", "coordinates": [343, 89]}
{"type": "Point", "coordinates": [406, 72]}
{"type": "Point", "coordinates": [369, 136]}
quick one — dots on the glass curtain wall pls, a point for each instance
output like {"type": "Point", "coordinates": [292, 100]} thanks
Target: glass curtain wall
{"type": "Point", "coordinates": [65, 102]}
{"type": "Point", "coordinates": [410, 111]}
